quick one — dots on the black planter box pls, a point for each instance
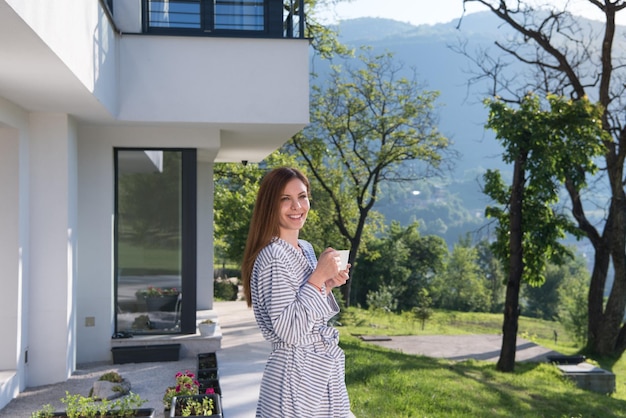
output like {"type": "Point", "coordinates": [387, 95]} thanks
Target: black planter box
{"type": "Point", "coordinates": [207, 361]}
{"type": "Point", "coordinates": [146, 353]}
{"type": "Point", "coordinates": [207, 374]}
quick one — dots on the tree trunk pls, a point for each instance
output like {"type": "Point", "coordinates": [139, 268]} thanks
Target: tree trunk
{"type": "Point", "coordinates": [355, 243]}
{"type": "Point", "coordinates": [606, 332]}
{"type": "Point", "coordinates": [506, 362]}
{"type": "Point", "coordinates": [606, 335]}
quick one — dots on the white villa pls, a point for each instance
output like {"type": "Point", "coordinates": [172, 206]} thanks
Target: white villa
{"type": "Point", "coordinates": [112, 115]}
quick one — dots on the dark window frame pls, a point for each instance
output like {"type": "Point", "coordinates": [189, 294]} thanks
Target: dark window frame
{"type": "Point", "coordinates": [275, 23]}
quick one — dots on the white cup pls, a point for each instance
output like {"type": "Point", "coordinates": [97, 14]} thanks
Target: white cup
{"type": "Point", "coordinates": [343, 259]}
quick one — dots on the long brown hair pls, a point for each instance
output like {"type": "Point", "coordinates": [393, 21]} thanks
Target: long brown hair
{"type": "Point", "coordinates": [265, 216]}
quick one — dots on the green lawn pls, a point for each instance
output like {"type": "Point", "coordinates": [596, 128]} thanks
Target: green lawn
{"type": "Point", "coordinates": [138, 260]}
{"type": "Point", "coordinates": [385, 383]}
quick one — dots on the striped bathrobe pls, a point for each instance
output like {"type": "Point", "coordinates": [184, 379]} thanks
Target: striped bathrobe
{"type": "Point", "coordinates": [305, 373]}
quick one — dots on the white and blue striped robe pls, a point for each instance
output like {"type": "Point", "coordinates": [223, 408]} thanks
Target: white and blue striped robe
{"type": "Point", "coordinates": [305, 373]}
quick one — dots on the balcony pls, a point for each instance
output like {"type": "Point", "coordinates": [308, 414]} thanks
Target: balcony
{"type": "Point", "coordinates": [223, 18]}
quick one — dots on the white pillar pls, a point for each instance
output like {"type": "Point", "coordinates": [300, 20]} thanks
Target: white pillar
{"type": "Point", "coordinates": [12, 187]}
{"type": "Point", "coordinates": [204, 240]}
{"type": "Point", "coordinates": [53, 201]}
{"type": "Point", "coordinates": [95, 314]}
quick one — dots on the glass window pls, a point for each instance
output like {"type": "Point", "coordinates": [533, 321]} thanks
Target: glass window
{"type": "Point", "coordinates": [174, 14]}
{"type": "Point", "coordinates": [207, 15]}
{"type": "Point", "coordinates": [149, 238]}
{"type": "Point", "coordinates": [239, 14]}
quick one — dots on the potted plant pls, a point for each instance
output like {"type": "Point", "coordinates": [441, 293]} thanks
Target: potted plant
{"type": "Point", "coordinates": [78, 406]}
{"type": "Point", "coordinates": [158, 298]}
{"type": "Point", "coordinates": [207, 327]}
{"type": "Point", "coordinates": [210, 386]}
{"type": "Point", "coordinates": [186, 384]}
{"type": "Point", "coordinates": [205, 405]}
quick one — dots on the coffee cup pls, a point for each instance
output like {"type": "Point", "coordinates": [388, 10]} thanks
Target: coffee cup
{"type": "Point", "coordinates": [343, 259]}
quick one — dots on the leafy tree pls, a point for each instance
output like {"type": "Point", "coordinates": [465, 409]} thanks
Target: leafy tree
{"type": "Point", "coordinates": [382, 299]}
{"type": "Point", "coordinates": [573, 300]}
{"type": "Point", "coordinates": [561, 54]}
{"type": "Point", "coordinates": [365, 122]}
{"type": "Point", "coordinates": [546, 147]}
{"type": "Point", "coordinates": [460, 287]}
{"type": "Point", "coordinates": [542, 300]}
{"type": "Point", "coordinates": [546, 301]}
{"type": "Point", "coordinates": [402, 260]}
{"type": "Point", "coordinates": [423, 309]}
{"type": "Point", "coordinates": [491, 269]}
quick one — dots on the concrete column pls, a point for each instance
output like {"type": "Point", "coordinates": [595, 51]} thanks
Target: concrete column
{"type": "Point", "coordinates": [205, 236]}
{"type": "Point", "coordinates": [10, 248]}
{"type": "Point", "coordinates": [94, 309]}
{"type": "Point", "coordinates": [53, 210]}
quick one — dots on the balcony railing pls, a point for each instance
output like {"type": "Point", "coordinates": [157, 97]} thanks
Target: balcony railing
{"type": "Point", "coordinates": [248, 18]}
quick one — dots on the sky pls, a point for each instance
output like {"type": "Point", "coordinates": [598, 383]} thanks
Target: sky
{"type": "Point", "coordinates": [420, 12]}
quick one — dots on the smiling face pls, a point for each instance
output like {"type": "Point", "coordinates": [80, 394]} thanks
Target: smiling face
{"type": "Point", "coordinates": [294, 207]}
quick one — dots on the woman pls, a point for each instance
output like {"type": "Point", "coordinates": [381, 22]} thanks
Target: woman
{"type": "Point", "coordinates": [290, 292]}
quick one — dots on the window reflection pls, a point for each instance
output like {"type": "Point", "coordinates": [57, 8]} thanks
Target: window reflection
{"type": "Point", "coordinates": [148, 245]}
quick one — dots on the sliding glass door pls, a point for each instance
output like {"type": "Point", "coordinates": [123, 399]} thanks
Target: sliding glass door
{"type": "Point", "coordinates": [155, 241]}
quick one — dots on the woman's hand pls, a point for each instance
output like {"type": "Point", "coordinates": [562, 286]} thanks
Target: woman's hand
{"type": "Point", "coordinates": [327, 268]}
{"type": "Point", "coordinates": [340, 279]}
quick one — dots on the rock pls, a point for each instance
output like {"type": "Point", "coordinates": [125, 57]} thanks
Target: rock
{"type": "Point", "coordinates": [108, 390]}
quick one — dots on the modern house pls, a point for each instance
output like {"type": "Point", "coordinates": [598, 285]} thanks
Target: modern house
{"type": "Point", "coordinates": [112, 115]}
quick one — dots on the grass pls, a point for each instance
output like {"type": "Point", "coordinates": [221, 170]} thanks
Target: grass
{"type": "Point", "coordinates": [138, 260]}
{"type": "Point", "coordinates": [384, 382]}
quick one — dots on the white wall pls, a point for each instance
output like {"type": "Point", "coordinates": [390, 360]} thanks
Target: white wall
{"type": "Point", "coordinates": [214, 80]}
{"type": "Point", "coordinates": [79, 33]}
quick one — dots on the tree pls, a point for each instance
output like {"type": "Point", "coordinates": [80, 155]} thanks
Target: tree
{"type": "Point", "coordinates": [423, 311]}
{"type": "Point", "coordinates": [543, 301]}
{"type": "Point", "coordinates": [566, 58]}
{"type": "Point", "coordinates": [365, 123]}
{"type": "Point", "coordinates": [561, 285]}
{"type": "Point", "coordinates": [573, 300]}
{"type": "Point", "coordinates": [546, 148]}
{"type": "Point", "coordinates": [491, 269]}
{"type": "Point", "coordinates": [461, 287]}
{"type": "Point", "coordinates": [402, 261]}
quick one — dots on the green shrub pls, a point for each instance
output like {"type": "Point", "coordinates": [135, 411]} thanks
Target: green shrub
{"type": "Point", "coordinates": [225, 290]}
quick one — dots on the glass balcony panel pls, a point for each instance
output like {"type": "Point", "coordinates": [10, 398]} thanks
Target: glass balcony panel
{"type": "Point", "coordinates": [175, 14]}
{"type": "Point", "coordinates": [239, 15]}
